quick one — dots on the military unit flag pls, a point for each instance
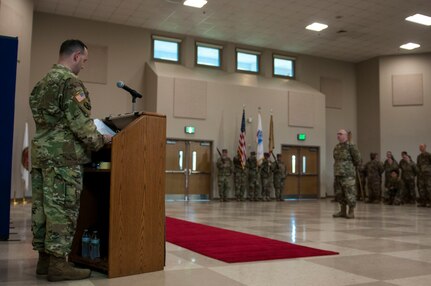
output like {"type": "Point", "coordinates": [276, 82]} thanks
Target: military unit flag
{"type": "Point", "coordinates": [259, 139]}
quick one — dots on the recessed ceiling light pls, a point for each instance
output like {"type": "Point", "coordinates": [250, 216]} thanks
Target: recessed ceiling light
{"type": "Point", "coordinates": [316, 27]}
{"type": "Point", "coordinates": [195, 3]}
{"type": "Point", "coordinates": [410, 46]}
{"type": "Point", "coordinates": [420, 19]}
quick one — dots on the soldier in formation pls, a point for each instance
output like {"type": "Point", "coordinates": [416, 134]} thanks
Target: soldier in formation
{"type": "Point", "coordinates": [240, 178]}
{"type": "Point", "coordinates": [266, 173]}
{"type": "Point", "coordinates": [280, 174]}
{"type": "Point", "coordinates": [373, 172]}
{"type": "Point", "coordinates": [392, 194]}
{"type": "Point", "coordinates": [408, 173]}
{"type": "Point", "coordinates": [346, 159]}
{"type": "Point", "coordinates": [225, 169]}
{"type": "Point", "coordinates": [253, 177]}
{"type": "Point", "coordinates": [424, 176]}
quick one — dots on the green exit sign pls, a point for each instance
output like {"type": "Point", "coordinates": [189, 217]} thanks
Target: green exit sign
{"type": "Point", "coordinates": [301, 136]}
{"type": "Point", "coordinates": [189, 130]}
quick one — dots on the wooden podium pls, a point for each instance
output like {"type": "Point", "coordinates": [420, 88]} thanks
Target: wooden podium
{"type": "Point", "coordinates": [126, 204]}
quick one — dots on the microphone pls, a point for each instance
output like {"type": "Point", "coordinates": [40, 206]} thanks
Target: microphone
{"type": "Point", "coordinates": [133, 92]}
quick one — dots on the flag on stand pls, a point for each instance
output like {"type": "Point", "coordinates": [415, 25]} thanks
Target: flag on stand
{"type": "Point", "coordinates": [271, 135]}
{"type": "Point", "coordinates": [242, 146]}
{"type": "Point", "coordinates": [259, 139]}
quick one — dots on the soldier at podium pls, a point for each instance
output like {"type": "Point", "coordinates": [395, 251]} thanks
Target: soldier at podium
{"type": "Point", "coordinates": [65, 135]}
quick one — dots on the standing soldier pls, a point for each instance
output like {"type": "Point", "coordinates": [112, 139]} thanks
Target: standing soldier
{"type": "Point", "coordinates": [266, 176]}
{"type": "Point", "coordinates": [424, 176]}
{"type": "Point", "coordinates": [253, 176]}
{"type": "Point", "coordinates": [346, 159]}
{"type": "Point", "coordinates": [240, 177]}
{"type": "Point", "coordinates": [373, 171]}
{"type": "Point", "coordinates": [280, 173]}
{"type": "Point", "coordinates": [225, 168]}
{"type": "Point", "coordinates": [408, 174]}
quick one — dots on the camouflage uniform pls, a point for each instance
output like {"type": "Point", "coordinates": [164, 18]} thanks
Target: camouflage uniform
{"type": "Point", "coordinates": [253, 178]}
{"type": "Point", "coordinates": [424, 178]}
{"type": "Point", "coordinates": [240, 178]}
{"type": "Point", "coordinates": [388, 169]}
{"type": "Point", "coordinates": [266, 171]}
{"type": "Point", "coordinates": [374, 170]}
{"type": "Point", "coordinates": [279, 177]}
{"type": "Point", "coordinates": [346, 159]}
{"type": "Point", "coordinates": [408, 174]}
{"type": "Point", "coordinates": [65, 135]}
{"type": "Point", "coordinates": [392, 192]}
{"type": "Point", "coordinates": [225, 168]}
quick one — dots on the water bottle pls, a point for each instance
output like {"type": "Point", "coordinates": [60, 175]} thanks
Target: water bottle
{"type": "Point", "coordinates": [95, 246]}
{"type": "Point", "coordinates": [85, 252]}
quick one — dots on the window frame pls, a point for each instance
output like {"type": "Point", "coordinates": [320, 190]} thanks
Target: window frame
{"type": "Point", "coordinates": [209, 45]}
{"type": "Point", "coordinates": [166, 39]}
{"type": "Point", "coordinates": [284, 57]}
{"type": "Point", "coordinates": [246, 51]}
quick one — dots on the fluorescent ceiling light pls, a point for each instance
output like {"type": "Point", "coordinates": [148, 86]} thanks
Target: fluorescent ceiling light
{"type": "Point", "coordinates": [420, 19]}
{"type": "Point", "coordinates": [316, 27]}
{"type": "Point", "coordinates": [410, 46]}
{"type": "Point", "coordinates": [195, 3]}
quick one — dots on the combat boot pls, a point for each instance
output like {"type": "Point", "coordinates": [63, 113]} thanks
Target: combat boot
{"type": "Point", "coordinates": [351, 213]}
{"type": "Point", "coordinates": [60, 269]}
{"type": "Point", "coordinates": [341, 213]}
{"type": "Point", "coordinates": [42, 263]}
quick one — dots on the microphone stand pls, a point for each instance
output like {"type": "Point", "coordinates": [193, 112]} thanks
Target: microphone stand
{"type": "Point", "coordinates": [133, 102]}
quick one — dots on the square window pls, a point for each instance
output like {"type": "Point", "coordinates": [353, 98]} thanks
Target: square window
{"type": "Point", "coordinates": [283, 66]}
{"type": "Point", "coordinates": [247, 61]}
{"type": "Point", "coordinates": [208, 56]}
{"type": "Point", "coordinates": [166, 50]}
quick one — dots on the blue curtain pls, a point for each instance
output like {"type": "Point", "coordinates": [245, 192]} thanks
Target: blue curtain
{"type": "Point", "coordinates": [8, 62]}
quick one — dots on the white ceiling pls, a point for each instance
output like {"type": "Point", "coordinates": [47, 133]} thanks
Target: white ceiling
{"type": "Point", "coordinates": [372, 27]}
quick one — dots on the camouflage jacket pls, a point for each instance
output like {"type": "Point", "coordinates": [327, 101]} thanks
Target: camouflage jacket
{"type": "Point", "coordinates": [266, 169]}
{"type": "Point", "coordinates": [374, 169]}
{"type": "Point", "coordinates": [390, 167]}
{"type": "Point", "coordinates": [408, 170]}
{"type": "Point", "coordinates": [424, 163]}
{"type": "Point", "coordinates": [237, 165]}
{"type": "Point", "coordinates": [346, 159]}
{"type": "Point", "coordinates": [224, 167]}
{"type": "Point", "coordinates": [65, 133]}
{"type": "Point", "coordinates": [252, 165]}
{"type": "Point", "coordinates": [279, 169]}
{"type": "Point", "coordinates": [394, 183]}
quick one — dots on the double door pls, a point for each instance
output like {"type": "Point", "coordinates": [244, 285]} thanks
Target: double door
{"type": "Point", "coordinates": [302, 165]}
{"type": "Point", "coordinates": [188, 169]}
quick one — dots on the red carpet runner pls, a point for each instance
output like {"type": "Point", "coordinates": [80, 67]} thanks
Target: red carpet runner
{"type": "Point", "coordinates": [232, 246]}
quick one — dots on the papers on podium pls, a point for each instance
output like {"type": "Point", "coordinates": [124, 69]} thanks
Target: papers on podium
{"type": "Point", "coordinates": [103, 128]}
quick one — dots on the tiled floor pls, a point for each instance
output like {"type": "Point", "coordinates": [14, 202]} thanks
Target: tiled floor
{"type": "Point", "coordinates": [383, 246]}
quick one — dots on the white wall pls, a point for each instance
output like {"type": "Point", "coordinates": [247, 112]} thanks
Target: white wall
{"type": "Point", "coordinates": [129, 50]}
{"type": "Point", "coordinates": [403, 128]}
{"type": "Point", "coordinates": [16, 18]}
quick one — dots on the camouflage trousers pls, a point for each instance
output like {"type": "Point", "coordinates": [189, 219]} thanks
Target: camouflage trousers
{"type": "Point", "coordinates": [424, 189]}
{"type": "Point", "coordinates": [345, 190]}
{"type": "Point", "coordinates": [267, 184]}
{"type": "Point", "coordinates": [223, 186]}
{"type": "Point", "coordinates": [240, 184]}
{"type": "Point", "coordinates": [408, 194]}
{"type": "Point", "coordinates": [278, 186]}
{"type": "Point", "coordinates": [392, 196]}
{"type": "Point", "coordinates": [56, 198]}
{"type": "Point", "coordinates": [253, 187]}
{"type": "Point", "coordinates": [374, 186]}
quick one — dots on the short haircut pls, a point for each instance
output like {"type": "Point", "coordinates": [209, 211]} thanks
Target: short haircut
{"type": "Point", "coordinates": [68, 47]}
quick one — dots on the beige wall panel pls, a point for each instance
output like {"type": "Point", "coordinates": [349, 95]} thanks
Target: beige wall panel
{"type": "Point", "coordinates": [96, 71]}
{"type": "Point", "coordinates": [333, 90]}
{"type": "Point", "coordinates": [407, 89]}
{"type": "Point", "coordinates": [190, 98]}
{"type": "Point", "coordinates": [301, 109]}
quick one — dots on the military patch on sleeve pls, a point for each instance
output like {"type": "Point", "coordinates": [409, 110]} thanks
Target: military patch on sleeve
{"type": "Point", "coordinates": [80, 96]}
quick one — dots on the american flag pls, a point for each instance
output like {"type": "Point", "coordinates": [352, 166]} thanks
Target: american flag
{"type": "Point", "coordinates": [242, 149]}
